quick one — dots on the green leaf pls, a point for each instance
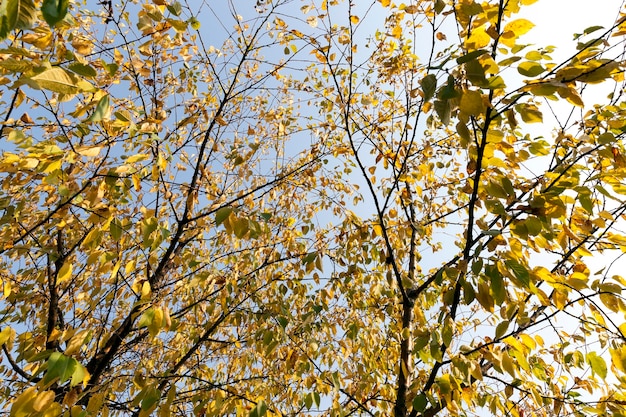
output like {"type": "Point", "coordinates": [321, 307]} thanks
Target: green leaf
{"type": "Point", "coordinates": [475, 72]}
{"type": "Point", "coordinates": [9, 10]}
{"type": "Point", "coordinates": [519, 271]}
{"type": "Point", "coordinates": [175, 9]}
{"type": "Point", "coordinates": [592, 29]}
{"type": "Point", "coordinates": [469, 295]}
{"type": "Point", "coordinates": [282, 321]}
{"type": "Point", "coordinates": [149, 397]}
{"type": "Point", "coordinates": [110, 68]}
{"type": "Point", "coordinates": [59, 367]}
{"type": "Point", "coordinates": [419, 403]}
{"type": "Point", "coordinates": [501, 329]}
{"type": "Point", "coordinates": [497, 285]}
{"type": "Point", "coordinates": [539, 147]}
{"type": "Point", "coordinates": [447, 333]}
{"type": "Point", "coordinates": [606, 138]}
{"type": "Point", "coordinates": [508, 186]}
{"type": "Point", "coordinates": [429, 86]}
{"type": "Point", "coordinates": [543, 89]}
{"type": "Point", "coordinates": [148, 226]}
{"type": "Point", "coordinates": [79, 375]}
{"type": "Point", "coordinates": [16, 65]}
{"type": "Point", "coordinates": [439, 6]}
{"type": "Point", "coordinates": [444, 111]}
{"type": "Point", "coordinates": [242, 227]}
{"type": "Point", "coordinates": [54, 10]}
{"type": "Point", "coordinates": [470, 56]}
{"type": "Point", "coordinates": [27, 14]}
{"type": "Point", "coordinates": [222, 214]}
{"type": "Point", "coordinates": [586, 202]}
{"type": "Point", "coordinates": [83, 69]}
{"type": "Point", "coordinates": [420, 341]}
{"type": "Point", "coordinates": [448, 91]}
{"type": "Point", "coordinates": [178, 25]}
{"type": "Point", "coordinates": [530, 69]}
{"type": "Point", "coordinates": [309, 258]}
{"type": "Point", "coordinates": [508, 61]}
{"type": "Point", "coordinates": [530, 113]}
{"type": "Point", "coordinates": [146, 318]}
{"type": "Point", "coordinates": [597, 363]}
{"type": "Point", "coordinates": [492, 232]}
{"type": "Point", "coordinates": [259, 410]}
{"type": "Point", "coordinates": [194, 23]}
{"type": "Point", "coordinates": [102, 110]}
{"type": "Point", "coordinates": [464, 133]}
{"type": "Point", "coordinates": [533, 225]}
{"type": "Point", "coordinates": [496, 82]}
{"type": "Point", "coordinates": [116, 229]}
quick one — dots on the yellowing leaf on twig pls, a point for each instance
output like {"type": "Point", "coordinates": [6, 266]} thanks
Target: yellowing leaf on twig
{"type": "Point", "coordinates": [55, 79]}
{"type": "Point", "coordinates": [65, 273]}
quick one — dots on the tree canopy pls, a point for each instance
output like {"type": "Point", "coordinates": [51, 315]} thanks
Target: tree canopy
{"type": "Point", "coordinates": [315, 207]}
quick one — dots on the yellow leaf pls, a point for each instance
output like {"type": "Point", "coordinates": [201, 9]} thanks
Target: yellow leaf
{"type": "Point", "coordinates": [129, 267]}
{"type": "Point", "coordinates": [6, 289]}
{"type": "Point", "coordinates": [39, 39]}
{"type": "Point", "coordinates": [82, 45]}
{"type": "Point", "coordinates": [385, 3]}
{"type": "Point", "coordinates": [43, 400]}
{"type": "Point", "coordinates": [136, 182]}
{"type": "Point", "coordinates": [137, 158]}
{"type": "Point", "coordinates": [64, 273]}
{"type": "Point", "coordinates": [23, 404]}
{"type": "Point", "coordinates": [6, 335]}
{"type": "Point", "coordinates": [55, 79]}
{"type": "Point", "coordinates": [220, 121]}
{"type": "Point", "coordinates": [472, 103]}
{"type": "Point", "coordinates": [560, 299]}
{"type": "Point", "coordinates": [354, 19]}
{"type": "Point", "coordinates": [530, 113]}
{"type": "Point", "coordinates": [76, 342]}
{"type": "Point", "coordinates": [570, 94]}
{"type": "Point", "coordinates": [157, 322]}
{"type": "Point", "coordinates": [396, 32]}
{"type": "Point", "coordinates": [95, 402]}
{"type": "Point", "coordinates": [145, 290]}
{"type": "Point", "coordinates": [519, 26]}
{"type": "Point", "coordinates": [53, 410]}
{"type": "Point", "coordinates": [507, 364]}
{"type": "Point", "coordinates": [618, 357]}
{"type": "Point", "coordinates": [478, 39]}
{"type": "Point", "coordinates": [528, 341]}
{"type": "Point", "coordinates": [89, 151]}
{"type": "Point", "coordinates": [515, 344]}
{"type": "Point", "coordinates": [515, 29]}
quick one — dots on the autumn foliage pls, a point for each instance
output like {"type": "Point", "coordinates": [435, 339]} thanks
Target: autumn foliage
{"type": "Point", "coordinates": [309, 208]}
